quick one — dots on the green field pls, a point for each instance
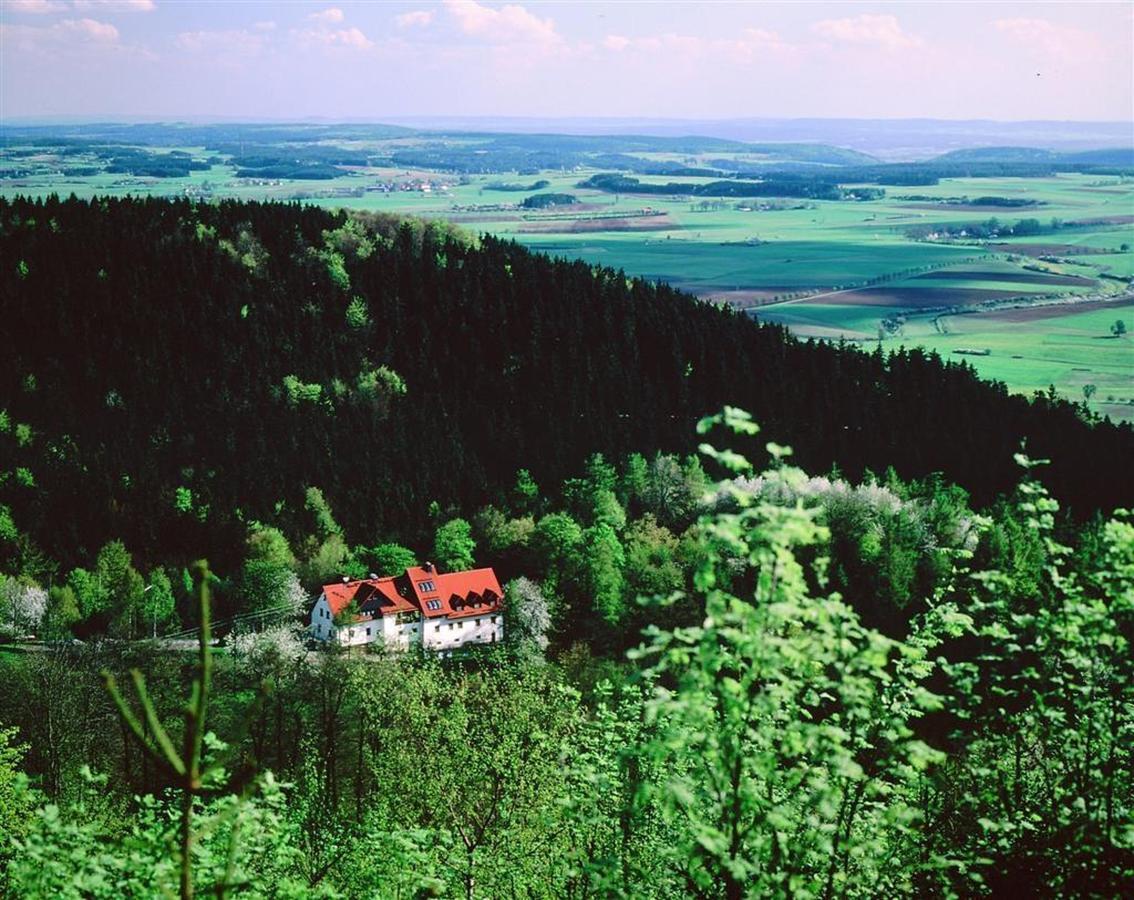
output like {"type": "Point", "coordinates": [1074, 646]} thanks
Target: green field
{"type": "Point", "coordinates": [1031, 350]}
{"type": "Point", "coordinates": [827, 269]}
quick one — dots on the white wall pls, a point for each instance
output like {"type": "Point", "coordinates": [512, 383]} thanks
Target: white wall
{"type": "Point", "coordinates": [435, 634]}
{"type": "Point", "coordinates": [468, 630]}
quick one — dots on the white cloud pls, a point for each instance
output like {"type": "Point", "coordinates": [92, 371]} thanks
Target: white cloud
{"type": "Point", "coordinates": [331, 16]}
{"type": "Point", "coordinates": [327, 37]}
{"type": "Point", "coordinates": [102, 32]}
{"type": "Point", "coordinates": [34, 7]}
{"type": "Point", "coordinates": [880, 31]}
{"type": "Point", "coordinates": [264, 26]}
{"type": "Point", "coordinates": [1049, 39]}
{"type": "Point", "coordinates": [115, 5]}
{"type": "Point", "coordinates": [616, 42]}
{"type": "Point", "coordinates": [64, 37]}
{"type": "Point", "coordinates": [417, 19]}
{"type": "Point", "coordinates": [508, 24]}
{"type": "Point", "coordinates": [351, 37]}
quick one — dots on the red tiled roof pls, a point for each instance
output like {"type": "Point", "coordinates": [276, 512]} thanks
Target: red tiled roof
{"type": "Point", "coordinates": [375, 596]}
{"type": "Point", "coordinates": [459, 594]}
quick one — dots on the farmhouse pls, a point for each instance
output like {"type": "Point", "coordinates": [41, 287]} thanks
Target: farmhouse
{"type": "Point", "coordinates": [421, 607]}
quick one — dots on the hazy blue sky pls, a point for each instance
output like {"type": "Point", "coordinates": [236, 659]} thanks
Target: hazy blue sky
{"type": "Point", "coordinates": [373, 60]}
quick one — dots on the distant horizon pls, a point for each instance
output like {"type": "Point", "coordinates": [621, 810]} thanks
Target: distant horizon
{"type": "Point", "coordinates": [894, 139]}
{"type": "Point", "coordinates": [207, 119]}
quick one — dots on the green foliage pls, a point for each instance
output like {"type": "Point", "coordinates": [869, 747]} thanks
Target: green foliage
{"type": "Point", "coordinates": [325, 561]}
{"type": "Point", "coordinates": [652, 564]}
{"type": "Point", "coordinates": [267, 544]}
{"type": "Point", "coordinates": [379, 387]}
{"type": "Point", "coordinates": [62, 611]}
{"type": "Point", "coordinates": [271, 589]}
{"type": "Point", "coordinates": [385, 560]}
{"type": "Point", "coordinates": [16, 798]}
{"type": "Point", "coordinates": [1043, 752]}
{"type": "Point", "coordinates": [297, 393]}
{"type": "Point", "coordinates": [351, 239]}
{"type": "Point", "coordinates": [525, 492]}
{"type": "Point", "coordinates": [478, 758]}
{"type": "Point", "coordinates": [247, 848]}
{"type": "Point", "coordinates": [558, 539]}
{"type": "Point", "coordinates": [603, 560]}
{"type": "Point", "coordinates": [357, 313]}
{"type": "Point", "coordinates": [196, 770]}
{"type": "Point", "coordinates": [183, 499]}
{"type": "Point", "coordinates": [320, 511]}
{"type": "Point", "coordinates": [618, 841]}
{"type": "Point", "coordinates": [608, 511]}
{"type": "Point", "coordinates": [8, 531]}
{"type": "Point", "coordinates": [336, 269]}
{"type": "Point", "coordinates": [115, 590]}
{"type": "Point", "coordinates": [453, 546]}
{"type": "Point", "coordinates": [787, 726]}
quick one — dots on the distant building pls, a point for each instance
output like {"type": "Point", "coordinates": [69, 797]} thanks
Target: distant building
{"type": "Point", "coordinates": [422, 607]}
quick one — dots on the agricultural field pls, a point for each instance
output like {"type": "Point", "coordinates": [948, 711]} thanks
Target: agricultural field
{"type": "Point", "coordinates": [1029, 270]}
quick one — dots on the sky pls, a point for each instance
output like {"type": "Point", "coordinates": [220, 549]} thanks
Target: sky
{"type": "Point", "coordinates": [376, 61]}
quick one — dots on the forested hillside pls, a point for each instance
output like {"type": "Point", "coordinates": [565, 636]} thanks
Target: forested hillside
{"type": "Point", "coordinates": [172, 371]}
{"type": "Point", "coordinates": [719, 678]}
{"type": "Point", "coordinates": [762, 741]}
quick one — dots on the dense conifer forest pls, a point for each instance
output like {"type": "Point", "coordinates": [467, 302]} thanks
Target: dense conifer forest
{"type": "Point", "coordinates": [893, 660]}
{"type": "Point", "coordinates": [185, 368]}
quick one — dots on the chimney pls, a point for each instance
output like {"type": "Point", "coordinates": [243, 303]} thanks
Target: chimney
{"type": "Point", "coordinates": [428, 567]}
{"type": "Point", "coordinates": [373, 576]}
{"type": "Point", "coordinates": [346, 579]}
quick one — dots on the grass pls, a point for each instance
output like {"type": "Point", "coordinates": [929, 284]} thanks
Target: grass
{"type": "Point", "coordinates": [1068, 351]}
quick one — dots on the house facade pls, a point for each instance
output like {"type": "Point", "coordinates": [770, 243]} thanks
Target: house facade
{"type": "Point", "coordinates": [421, 607]}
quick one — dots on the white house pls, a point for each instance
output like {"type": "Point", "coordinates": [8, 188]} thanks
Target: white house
{"type": "Point", "coordinates": [422, 607]}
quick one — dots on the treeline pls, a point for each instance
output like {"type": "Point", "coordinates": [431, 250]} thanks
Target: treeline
{"type": "Point", "coordinates": [543, 201]}
{"type": "Point", "coordinates": [516, 186]}
{"type": "Point", "coordinates": [771, 185]}
{"type": "Point", "coordinates": [761, 741]}
{"type": "Point", "coordinates": [1010, 202]}
{"type": "Point", "coordinates": [175, 164]}
{"type": "Point", "coordinates": [931, 172]}
{"type": "Point", "coordinates": [991, 228]}
{"type": "Point", "coordinates": [388, 358]}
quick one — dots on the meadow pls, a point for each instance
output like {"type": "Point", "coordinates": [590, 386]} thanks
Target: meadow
{"type": "Point", "coordinates": [899, 269]}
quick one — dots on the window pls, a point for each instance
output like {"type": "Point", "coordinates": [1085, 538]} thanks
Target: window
{"type": "Point", "coordinates": [450, 626]}
{"type": "Point", "coordinates": [477, 623]}
{"type": "Point", "coordinates": [426, 587]}
{"type": "Point", "coordinates": [368, 632]}
{"type": "Point", "coordinates": [436, 627]}
{"type": "Point", "coordinates": [461, 624]}
{"type": "Point", "coordinates": [433, 604]}
{"type": "Point", "coordinates": [494, 620]}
